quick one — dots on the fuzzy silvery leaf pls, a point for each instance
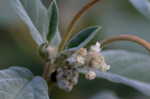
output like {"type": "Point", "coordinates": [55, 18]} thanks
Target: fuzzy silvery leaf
{"type": "Point", "coordinates": [115, 78]}
{"type": "Point", "coordinates": [19, 83]}
{"type": "Point", "coordinates": [143, 6]}
{"type": "Point", "coordinates": [83, 37]}
{"type": "Point", "coordinates": [20, 10]}
{"type": "Point", "coordinates": [129, 68]}
{"type": "Point", "coordinates": [53, 20]}
{"type": "Point", "coordinates": [105, 95]}
{"type": "Point", "coordinates": [122, 18]}
{"type": "Point", "coordinates": [38, 15]}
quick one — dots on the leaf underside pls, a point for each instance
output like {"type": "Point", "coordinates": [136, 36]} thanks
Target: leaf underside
{"type": "Point", "coordinates": [19, 8]}
{"type": "Point", "coordinates": [129, 68]}
{"type": "Point", "coordinates": [142, 6]}
{"type": "Point", "coordinates": [19, 83]}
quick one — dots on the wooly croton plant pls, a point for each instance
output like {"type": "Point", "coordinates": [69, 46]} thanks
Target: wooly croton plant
{"type": "Point", "coordinates": [67, 57]}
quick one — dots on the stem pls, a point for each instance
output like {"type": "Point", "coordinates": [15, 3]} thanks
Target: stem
{"type": "Point", "coordinates": [77, 16]}
{"type": "Point", "coordinates": [46, 71]}
{"type": "Point", "coordinates": [127, 37]}
{"type": "Point", "coordinates": [46, 74]}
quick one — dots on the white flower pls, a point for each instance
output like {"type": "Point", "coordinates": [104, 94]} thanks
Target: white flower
{"type": "Point", "coordinates": [90, 75]}
{"type": "Point", "coordinates": [78, 57]}
{"type": "Point", "coordinates": [76, 60]}
{"type": "Point", "coordinates": [82, 52]}
{"type": "Point", "coordinates": [96, 47]}
{"type": "Point", "coordinates": [72, 59]}
{"type": "Point", "coordinates": [104, 67]}
{"type": "Point", "coordinates": [80, 60]}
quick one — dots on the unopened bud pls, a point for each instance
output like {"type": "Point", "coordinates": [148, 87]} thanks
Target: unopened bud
{"type": "Point", "coordinates": [90, 75]}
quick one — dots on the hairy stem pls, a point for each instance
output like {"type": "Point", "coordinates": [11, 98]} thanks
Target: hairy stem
{"type": "Point", "coordinates": [46, 71]}
{"type": "Point", "coordinates": [127, 37]}
{"type": "Point", "coordinates": [77, 16]}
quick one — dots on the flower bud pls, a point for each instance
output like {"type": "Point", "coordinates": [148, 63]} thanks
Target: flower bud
{"type": "Point", "coordinates": [90, 75]}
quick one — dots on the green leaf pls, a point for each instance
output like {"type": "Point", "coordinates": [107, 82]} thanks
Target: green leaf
{"type": "Point", "coordinates": [18, 7]}
{"type": "Point", "coordinates": [83, 37]}
{"type": "Point", "coordinates": [142, 6]}
{"type": "Point", "coordinates": [128, 68]}
{"type": "Point", "coordinates": [56, 39]}
{"type": "Point", "coordinates": [19, 83]}
{"type": "Point", "coordinates": [53, 20]}
{"type": "Point", "coordinates": [38, 14]}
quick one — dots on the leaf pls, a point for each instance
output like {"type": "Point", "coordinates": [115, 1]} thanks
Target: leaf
{"type": "Point", "coordinates": [122, 18]}
{"type": "Point", "coordinates": [53, 20]}
{"type": "Point", "coordinates": [56, 39]}
{"type": "Point", "coordinates": [128, 68]}
{"type": "Point", "coordinates": [83, 37]}
{"type": "Point", "coordinates": [22, 14]}
{"type": "Point", "coordinates": [143, 6]}
{"type": "Point", "coordinates": [38, 14]}
{"type": "Point", "coordinates": [105, 95]}
{"type": "Point", "coordinates": [129, 64]}
{"type": "Point", "coordinates": [140, 86]}
{"type": "Point", "coordinates": [19, 83]}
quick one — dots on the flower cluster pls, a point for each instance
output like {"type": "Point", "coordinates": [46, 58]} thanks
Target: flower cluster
{"type": "Point", "coordinates": [70, 65]}
{"type": "Point", "coordinates": [89, 60]}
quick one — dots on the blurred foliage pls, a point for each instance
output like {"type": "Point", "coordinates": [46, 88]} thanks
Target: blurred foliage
{"type": "Point", "coordinates": [115, 16]}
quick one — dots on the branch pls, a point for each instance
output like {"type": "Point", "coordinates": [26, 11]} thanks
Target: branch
{"type": "Point", "coordinates": [127, 37]}
{"type": "Point", "coordinates": [46, 71]}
